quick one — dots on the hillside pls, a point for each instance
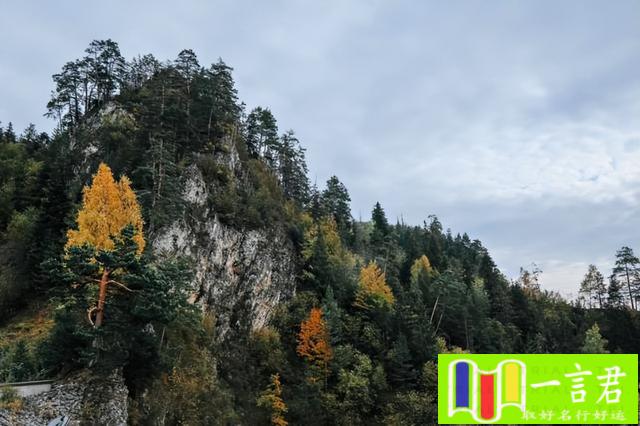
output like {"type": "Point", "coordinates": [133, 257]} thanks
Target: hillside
{"type": "Point", "coordinates": [238, 293]}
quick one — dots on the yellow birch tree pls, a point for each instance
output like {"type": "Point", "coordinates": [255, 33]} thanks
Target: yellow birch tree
{"type": "Point", "coordinates": [373, 289]}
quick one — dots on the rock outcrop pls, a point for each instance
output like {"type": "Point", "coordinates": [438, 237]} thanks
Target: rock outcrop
{"type": "Point", "coordinates": [85, 398]}
{"type": "Point", "coordinates": [239, 275]}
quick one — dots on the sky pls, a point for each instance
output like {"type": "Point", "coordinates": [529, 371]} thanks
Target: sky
{"type": "Point", "coordinates": [517, 122]}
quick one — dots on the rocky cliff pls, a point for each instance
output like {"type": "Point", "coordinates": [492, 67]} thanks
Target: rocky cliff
{"type": "Point", "coordinates": [240, 276]}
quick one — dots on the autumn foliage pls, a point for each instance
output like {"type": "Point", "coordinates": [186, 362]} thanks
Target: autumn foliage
{"type": "Point", "coordinates": [107, 208]}
{"type": "Point", "coordinates": [421, 266]}
{"type": "Point", "coordinates": [271, 399]}
{"type": "Point", "coordinates": [373, 290]}
{"type": "Point", "coordinates": [313, 341]}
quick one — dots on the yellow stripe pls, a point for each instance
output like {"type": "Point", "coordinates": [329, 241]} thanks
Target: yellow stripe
{"type": "Point", "coordinates": [512, 385]}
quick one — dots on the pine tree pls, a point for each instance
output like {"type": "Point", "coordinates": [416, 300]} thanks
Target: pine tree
{"type": "Point", "coordinates": [188, 66]}
{"type": "Point", "coordinates": [141, 295]}
{"type": "Point", "coordinates": [593, 287]}
{"type": "Point", "coordinates": [627, 269]}
{"type": "Point", "coordinates": [141, 70]}
{"type": "Point", "coordinates": [262, 135]}
{"type": "Point", "coordinates": [86, 84]}
{"type": "Point", "coordinates": [107, 208]}
{"type": "Point", "coordinates": [223, 109]}
{"type": "Point", "coordinates": [158, 172]}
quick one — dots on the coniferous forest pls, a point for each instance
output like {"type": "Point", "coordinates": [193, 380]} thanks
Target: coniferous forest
{"type": "Point", "coordinates": [83, 287]}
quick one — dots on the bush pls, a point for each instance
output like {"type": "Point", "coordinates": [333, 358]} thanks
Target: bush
{"type": "Point", "coordinates": [17, 363]}
{"type": "Point", "coordinates": [9, 399]}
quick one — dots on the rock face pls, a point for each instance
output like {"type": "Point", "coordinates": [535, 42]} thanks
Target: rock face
{"type": "Point", "coordinates": [239, 275]}
{"type": "Point", "coordinates": [84, 398]}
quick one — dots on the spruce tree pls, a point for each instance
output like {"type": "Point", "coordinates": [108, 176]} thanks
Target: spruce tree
{"type": "Point", "coordinates": [615, 298]}
{"type": "Point", "coordinates": [335, 201]}
{"type": "Point", "coordinates": [627, 269]}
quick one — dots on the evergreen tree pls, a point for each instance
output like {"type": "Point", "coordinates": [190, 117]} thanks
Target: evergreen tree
{"type": "Point", "coordinates": [224, 111]}
{"type": "Point", "coordinates": [141, 70]}
{"type": "Point", "coordinates": [188, 66]}
{"type": "Point", "coordinates": [106, 71]}
{"type": "Point", "coordinates": [593, 287]}
{"type": "Point", "coordinates": [401, 369]}
{"type": "Point", "coordinates": [335, 202]}
{"type": "Point", "coordinates": [593, 342]}
{"type": "Point", "coordinates": [9, 136]}
{"type": "Point", "coordinates": [20, 366]}
{"type": "Point", "coordinates": [108, 207]}
{"type": "Point", "coordinates": [86, 84]}
{"type": "Point", "coordinates": [262, 135]}
{"type": "Point", "coordinates": [327, 262]}
{"type": "Point", "coordinates": [615, 298]}
{"type": "Point", "coordinates": [143, 297]}
{"type": "Point", "coordinates": [497, 289]}
{"type": "Point", "coordinates": [627, 269]}
{"type": "Point", "coordinates": [333, 316]}
{"type": "Point", "coordinates": [292, 169]}
{"type": "Point", "coordinates": [380, 235]}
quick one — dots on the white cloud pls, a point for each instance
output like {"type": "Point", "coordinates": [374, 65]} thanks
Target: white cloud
{"type": "Point", "coordinates": [517, 122]}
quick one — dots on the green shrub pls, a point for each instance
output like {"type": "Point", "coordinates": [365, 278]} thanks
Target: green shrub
{"type": "Point", "coordinates": [9, 399]}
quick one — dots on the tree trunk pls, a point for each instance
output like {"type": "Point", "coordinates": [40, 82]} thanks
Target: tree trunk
{"type": "Point", "coordinates": [599, 299]}
{"type": "Point", "coordinates": [102, 296]}
{"type": "Point", "coordinates": [209, 123]}
{"type": "Point", "coordinates": [626, 269]}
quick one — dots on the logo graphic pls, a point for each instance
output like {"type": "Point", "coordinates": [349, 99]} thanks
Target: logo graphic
{"type": "Point", "coordinates": [485, 393]}
{"type": "Point", "coordinates": [537, 389]}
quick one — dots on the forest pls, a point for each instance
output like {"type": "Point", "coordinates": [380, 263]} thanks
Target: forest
{"type": "Point", "coordinates": [375, 302]}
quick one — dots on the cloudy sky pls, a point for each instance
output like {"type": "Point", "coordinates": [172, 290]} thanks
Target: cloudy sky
{"type": "Point", "coordinates": [518, 122]}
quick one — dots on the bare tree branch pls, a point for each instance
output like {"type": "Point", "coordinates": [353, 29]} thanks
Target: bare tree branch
{"type": "Point", "coordinates": [89, 312]}
{"type": "Point", "coordinates": [121, 285]}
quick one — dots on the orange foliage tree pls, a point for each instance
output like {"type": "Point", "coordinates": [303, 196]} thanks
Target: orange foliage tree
{"type": "Point", "coordinates": [373, 290]}
{"type": "Point", "coordinates": [107, 208]}
{"type": "Point", "coordinates": [313, 341]}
